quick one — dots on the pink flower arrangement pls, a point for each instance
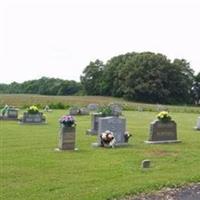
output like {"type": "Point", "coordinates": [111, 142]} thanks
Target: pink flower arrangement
{"type": "Point", "coordinates": [67, 120]}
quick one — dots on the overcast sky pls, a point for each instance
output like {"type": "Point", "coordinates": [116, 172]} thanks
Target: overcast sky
{"type": "Point", "coordinates": [58, 38]}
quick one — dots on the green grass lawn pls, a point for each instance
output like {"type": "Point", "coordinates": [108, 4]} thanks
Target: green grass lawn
{"type": "Point", "coordinates": [31, 169]}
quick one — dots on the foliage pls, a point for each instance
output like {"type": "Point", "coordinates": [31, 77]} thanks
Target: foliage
{"type": "Point", "coordinates": [196, 89]}
{"type": "Point", "coordinates": [67, 120]}
{"type": "Point", "coordinates": [33, 110]}
{"type": "Point", "coordinates": [92, 78]}
{"type": "Point", "coordinates": [24, 101]}
{"type": "Point", "coordinates": [105, 111]}
{"type": "Point", "coordinates": [44, 85]}
{"type": "Point", "coordinates": [164, 116]}
{"type": "Point", "coordinates": [143, 77]}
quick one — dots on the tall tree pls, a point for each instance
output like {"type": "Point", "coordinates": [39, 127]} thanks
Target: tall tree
{"type": "Point", "coordinates": [92, 78]}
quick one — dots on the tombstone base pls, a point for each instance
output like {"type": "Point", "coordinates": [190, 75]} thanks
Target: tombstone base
{"type": "Point", "coordinates": [60, 150]}
{"type": "Point", "coordinates": [31, 123]}
{"type": "Point", "coordinates": [8, 118]}
{"type": "Point", "coordinates": [196, 128]}
{"type": "Point", "coordinates": [91, 132]}
{"type": "Point", "coordinates": [116, 145]}
{"type": "Point", "coordinates": [163, 142]}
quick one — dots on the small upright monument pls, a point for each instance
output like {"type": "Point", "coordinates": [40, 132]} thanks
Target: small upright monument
{"type": "Point", "coordinates": [67, 133]}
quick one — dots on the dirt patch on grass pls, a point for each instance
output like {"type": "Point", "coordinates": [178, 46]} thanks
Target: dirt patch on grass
{"type": "Point", "coordinates": [160, 153]}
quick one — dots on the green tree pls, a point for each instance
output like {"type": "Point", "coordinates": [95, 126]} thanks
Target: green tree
{"type": "Point", "coordinates": [92, 77]}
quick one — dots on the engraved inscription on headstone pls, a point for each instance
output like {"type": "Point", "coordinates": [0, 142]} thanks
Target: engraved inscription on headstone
{"type": "Point", "coordinates": [33, 118]}
{"type": "Point", "coordinates": [162, 132]}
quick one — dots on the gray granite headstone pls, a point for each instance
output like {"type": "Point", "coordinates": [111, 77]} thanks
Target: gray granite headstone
{"type": "Point", "coordinates": [67, 138]}
{"type": "Point", "coordinates": [94, 124]}
{"type": "Point", "coordinates": [33, 118]}
{"type": "Point", "coordinates": [84, 111]}
{"type": "Point", "coordinates": [117, 125]}
{"type": "Point", "coordinates": [93, 107]}
{"type": "Point", "coordinates": [116, 109]}
{"type": "Point", "coordinates": [74, 111]}
{"type": "Point", "coordinates": [146, 164]}
{"type": "Point", "coordinates": [162, 132]}
{"type": "Point", "coordinates": [12, 113]}
{"type": "Point", "coordinates": [198, 124]}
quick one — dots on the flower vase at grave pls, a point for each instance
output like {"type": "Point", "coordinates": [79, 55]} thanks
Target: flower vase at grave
{"type": "Point", "coordinates": [67, 137]}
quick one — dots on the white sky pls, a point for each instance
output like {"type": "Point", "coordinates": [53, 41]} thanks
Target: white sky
{"type": "Point", "coordinates": [58, 38]}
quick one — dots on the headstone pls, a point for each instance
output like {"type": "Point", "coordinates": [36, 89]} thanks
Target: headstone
{"type": "Point", "coordinates": [117, 125]}
{"type": "Point", "coordinates": [198, 124]}
{"type": "Point", "coordinates": [84, 111]}
{"type": "Point", "coordinates": [93, 107]}
{"type": "Point", "coordinates": [146, 164]}
{"type": "Point", "coordinates": [94, 124]}
{"type": "Point", "coordinates": [67, 138]}
{"type": "Point", "coordinates": [140, 108]}
{"type": "Point", "coordinates": [116, 109]}
{"type": "Point", "coordinates": [9, 113]}
{"type": "Point", "coordinates": [12, 113]}
{"type": "Point", "coordinates": [161, 108]}
{"type": "Point", "coordinates": [162, 132]}
{"type": "Point", "coordinates": [32, 118]}
{"type": "Point", "coordinates": [74, 111]}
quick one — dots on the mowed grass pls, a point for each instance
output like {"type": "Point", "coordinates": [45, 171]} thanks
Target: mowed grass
{"type": "Point", "coordinates": [31, 169]}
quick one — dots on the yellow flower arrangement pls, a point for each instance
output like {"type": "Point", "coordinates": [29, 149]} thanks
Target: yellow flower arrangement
{"type": "Point", "coordinates": [33, 110]}
{"type": "Point", "coordinates": [164, 116]}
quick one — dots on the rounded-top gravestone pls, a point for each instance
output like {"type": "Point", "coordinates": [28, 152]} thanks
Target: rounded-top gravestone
{"type": "Point", "coordinates": [116, 109]}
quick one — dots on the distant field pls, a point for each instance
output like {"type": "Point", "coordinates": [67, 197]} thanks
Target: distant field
{"type": "Point", "coordinates": [30, 169]}
{"type": "Point", "coordinates": [23, 101]}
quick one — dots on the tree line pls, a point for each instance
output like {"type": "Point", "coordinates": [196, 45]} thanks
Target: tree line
{"type": "Point", "coordinates": [142, 77]}
{"type": "Point", "coordinates": [43, 86]}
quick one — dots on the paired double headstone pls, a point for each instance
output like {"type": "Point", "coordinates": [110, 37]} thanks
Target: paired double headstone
{"type": "Point", "coordinates": [37, 118]}
{"type": "Point", "coordinates": [163, 132]}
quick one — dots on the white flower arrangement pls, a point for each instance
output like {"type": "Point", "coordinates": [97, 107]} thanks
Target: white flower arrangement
{"type": "Point", "coordinates": [107, 139]}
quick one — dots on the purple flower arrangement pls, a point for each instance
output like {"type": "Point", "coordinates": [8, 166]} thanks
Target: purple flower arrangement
{"type": "Point", "coordinates": [67, 120]}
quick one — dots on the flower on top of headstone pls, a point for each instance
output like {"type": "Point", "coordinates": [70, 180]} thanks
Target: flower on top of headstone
{"type": "Point", "coordinates": [164, 116]}
{"type": "Point", "coordinates": [67, 120]}
{"type": "Point", "coordinates": [105, 111]}
{"type": "Point", "coordinates": [33, 110]}
{"type": "Point", "coordinates": [107, 139]}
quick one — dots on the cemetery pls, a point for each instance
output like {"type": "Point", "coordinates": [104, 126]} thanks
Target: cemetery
{"type": "Point", "coordinates": [61, 159]}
